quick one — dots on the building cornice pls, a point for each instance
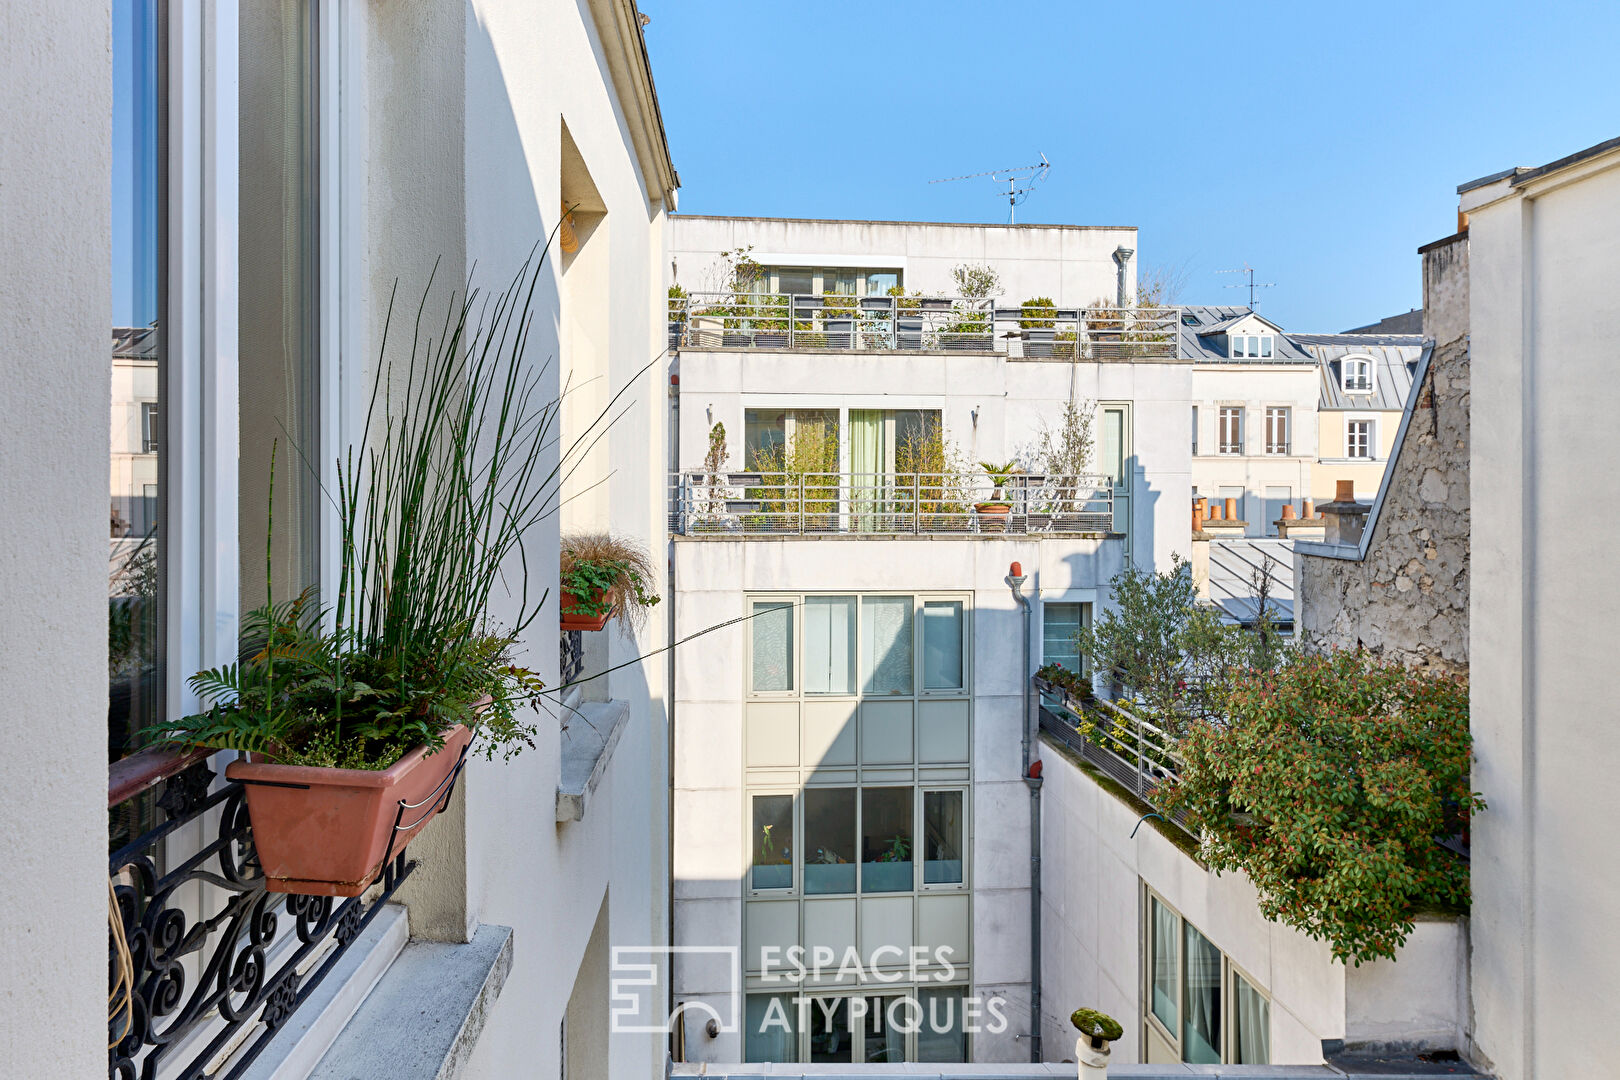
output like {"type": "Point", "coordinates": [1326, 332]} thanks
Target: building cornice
{"type": "Point", "coordinates": [618, 25]}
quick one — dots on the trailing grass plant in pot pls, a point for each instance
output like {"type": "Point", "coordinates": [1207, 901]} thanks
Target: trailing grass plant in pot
{"type": "Point", "coordinates": [355, 719]}
{"type": "Point", "coordinates": [605, 576]}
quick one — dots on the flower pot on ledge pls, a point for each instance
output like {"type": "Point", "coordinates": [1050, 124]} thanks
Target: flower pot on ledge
{"type": "Point", "coordinates": [993, 516]}
{"type": "Point", "coordinates": [328, 832]}
{"type": "Point", "coordinates": [574, 612]}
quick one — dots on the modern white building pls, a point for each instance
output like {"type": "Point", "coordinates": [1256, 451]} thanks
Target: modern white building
{"type": "Point", "coordinates": [848, 771]}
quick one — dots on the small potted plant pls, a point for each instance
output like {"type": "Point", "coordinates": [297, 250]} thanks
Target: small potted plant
{"type": "Point", "coordinates": [993, 513]}
{"type": "Point", "coordinates": [604, 576]}
{"type": "Point", "coordinates": [1097, 1031]}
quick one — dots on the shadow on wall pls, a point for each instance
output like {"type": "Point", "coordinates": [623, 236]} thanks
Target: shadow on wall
{"type": "Point", "coordinates": [1144, 502]}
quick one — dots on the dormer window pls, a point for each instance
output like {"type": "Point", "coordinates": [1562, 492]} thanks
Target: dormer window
{"type": "Point", "coordinates": [1252, 346]}
{"type": "Point", "coordinates": [1358, 375]}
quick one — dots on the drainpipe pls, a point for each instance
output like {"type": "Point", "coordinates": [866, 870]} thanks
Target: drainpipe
{"type": "Point", "coordinates": [1032, 777]}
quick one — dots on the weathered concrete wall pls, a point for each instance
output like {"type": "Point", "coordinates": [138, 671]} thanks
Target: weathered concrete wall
{"type": "Point", "coordinates": [1408, 598]}
{"type": "Point", "coordinates": [55, 286]}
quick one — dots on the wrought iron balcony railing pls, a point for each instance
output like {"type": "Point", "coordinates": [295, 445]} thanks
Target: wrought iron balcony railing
{"type": "Point", "coordinates": [213, 976]}
{"type": "Point", "coordinates": [727, 320]}
{"type": "Point", "coordinates": [830, 504]}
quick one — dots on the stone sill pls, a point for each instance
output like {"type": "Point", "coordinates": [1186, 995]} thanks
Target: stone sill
{"type": "Point", "coordinates": [424, 1016]}
{"type": "Point", "coordinates": [587, 745]}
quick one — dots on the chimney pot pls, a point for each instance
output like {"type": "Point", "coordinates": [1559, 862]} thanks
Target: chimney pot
{"type": "Point", "coordinates": [1344, 491]}
{"type": "Point", "coordinates": [1288, 511]}
{"type": "Point", "coordinates": [1215, 512]}
{"type": "Point", "coordinates": [1309, 509]}
{"type": "Point", "coordinates": [1231, 509]}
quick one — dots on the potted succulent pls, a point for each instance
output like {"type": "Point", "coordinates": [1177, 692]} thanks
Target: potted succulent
{"type": "Point", "coordinates": [993, 513]}
{"type": "Point", "coordinates": [354, 719]}
{"type": "Point", "coordinates": [604, 576]}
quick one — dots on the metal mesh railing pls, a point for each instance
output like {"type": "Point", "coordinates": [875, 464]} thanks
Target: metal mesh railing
{"type": "Point", "coordinates": [808, 504]}
{"type": "Point", "coordinates": [728, 320]}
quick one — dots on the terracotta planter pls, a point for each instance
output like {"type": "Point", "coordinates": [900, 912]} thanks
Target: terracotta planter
{"type": "Point", "coordinates": [326, 832]}
{"type": "Point", "coordinates": [573, 619]}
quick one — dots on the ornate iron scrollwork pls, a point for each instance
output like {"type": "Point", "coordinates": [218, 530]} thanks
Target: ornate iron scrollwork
{"type": "Point", "coordinates": [203, 937]}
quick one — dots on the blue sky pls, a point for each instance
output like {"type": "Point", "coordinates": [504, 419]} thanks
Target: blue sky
{"type": "Point", "coordinates": [1321, 143]}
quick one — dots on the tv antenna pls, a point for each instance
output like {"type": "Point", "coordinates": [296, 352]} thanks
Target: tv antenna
{"type": "Point", "coordinates": [1020, 181]}
{"type": "Point", "coordinates": [1251, 285]}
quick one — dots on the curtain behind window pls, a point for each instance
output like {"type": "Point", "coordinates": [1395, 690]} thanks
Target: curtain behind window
{"type": "Point", "coordinates": [1251, 1024]}
{"type": "Point", "coordinates": [1201, 1034]}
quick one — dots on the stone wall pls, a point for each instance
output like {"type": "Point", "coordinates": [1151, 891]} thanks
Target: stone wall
{"type": "Point", "coordinates": [1408, 598]}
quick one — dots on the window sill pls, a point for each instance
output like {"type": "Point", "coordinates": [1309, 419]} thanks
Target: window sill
{"type": "Point", "coordinates": [587, 746]}
{"type": "Point", "coordinates": [423, 1018]}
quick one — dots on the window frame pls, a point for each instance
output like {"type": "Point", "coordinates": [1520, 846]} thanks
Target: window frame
{"type": "Point", "coordinates": [1369, 368]}
{"type": "Point", "coordinates": [1230, 971]}
{"type": "Point", "coordinates": [1350, 421]}
{"type": "Point", "coordinates": [1284, 447]}
{"type": "Point", "coordinates": [1088, 605]}
{"type": "Point", "coordinates": [1253, 346]}
{"type": "Point", "coordinates": [805, 1020]}
{"type": "Point", "coordinates": [1234, 448]}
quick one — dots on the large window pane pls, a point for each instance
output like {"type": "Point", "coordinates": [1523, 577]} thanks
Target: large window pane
{"type": "Point", "coordinates": [1059, 624]}
{"type": "Point", "coordinates": [1251, 1024]}
{"type": "Point", "coordinates": [829, 645]}
{"type": "Point", "coordinates": [829, 840]}
{"type": "Point", "coordinates": [879, 282]}
{"type": "Point", "coordinates": [941, 1034]}
{"type": "Point", "coordinates": [1166, 937]}
{"type": "Point", "coordinates": [136, 564]}
{"type": "Point", "coordinates": [1114, 451]}
{"type": "Point", "coordinates": [884, 1022]}
{"type": "Point", "coordinates": [772, 1031]}
{"type": "Point", "coordinates": [279, 297]}
{"type": "Point", "coordinates": [886, 644]}
{"type": "Point", "coordinates": [1201, 1033]}
{"type": "Point", "coordinates": [764, 432]}
{"type": "Point", "coordinates": [773, 842]}
{"type": "Point", "coordinates": [942, 837]}
{"type": "Point", "coordinates": [773, 646]}
{"type": "Point", "coordinates": [830, 1039]}
{"type": "Point", "coordinates": [942, 645]}
{"type": "Point", "coordinates": [886, 839]}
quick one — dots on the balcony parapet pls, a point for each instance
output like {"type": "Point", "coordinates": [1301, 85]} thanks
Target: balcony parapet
{"type": "Point", "coordinates": [825, 321]}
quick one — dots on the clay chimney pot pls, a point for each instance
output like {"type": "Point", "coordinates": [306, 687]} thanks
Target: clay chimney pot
{"type": "Point", "coordinates": [1344, 491]}
{"type": "Point", "coordinates": [1231, 510]}
{"type": "Point", "coordinates": [1288, 511]}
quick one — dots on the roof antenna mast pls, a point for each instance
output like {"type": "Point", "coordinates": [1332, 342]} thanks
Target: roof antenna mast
{"type": "Point", "coordinates": [1252, 285]}
{"type": "Point", "coordinates": [1020, 181]}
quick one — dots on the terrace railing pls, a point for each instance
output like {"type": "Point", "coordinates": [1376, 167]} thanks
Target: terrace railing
{"type": "Point", "coordinates": [725, 320]}
{"type": "Point", "coordinates": [1130, 750]}
{"type": "Point", "coordinates": [895, 504]}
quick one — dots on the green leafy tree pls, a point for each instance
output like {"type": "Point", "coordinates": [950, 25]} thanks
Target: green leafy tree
{"type": "Point", "coordinates": [1328, 782]}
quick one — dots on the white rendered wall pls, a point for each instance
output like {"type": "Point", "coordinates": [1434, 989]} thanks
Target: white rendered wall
{"type": "Point", "coordinates": [466, 107]}
{"type": "Point", "coordinates": [1092, 877]}
{"type": "Point", "coordinates": [1543, 259]}
{"type": "Point", "coordinates": [1071, 264]}
{"type": "Point", "coordinates": [714, 578]}
{"type": "Point", "coordinates": [55, 282]}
